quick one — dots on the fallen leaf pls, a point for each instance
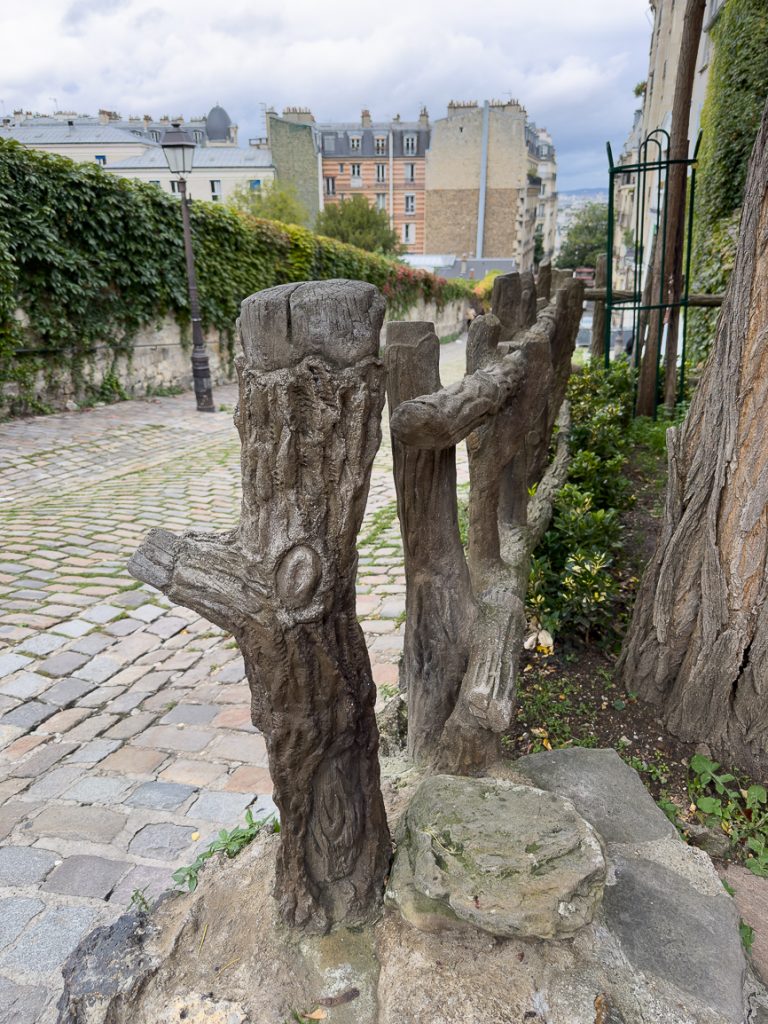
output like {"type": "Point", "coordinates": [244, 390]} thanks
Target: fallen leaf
{"type": "Point", "coordinates": [530, 642]}
{"type": "Point", "coordinates": [318, 1014]}
{"type": "Point", "coordinates": [195, 835]}
{"type": "Point", "coordinates": [545, 638]}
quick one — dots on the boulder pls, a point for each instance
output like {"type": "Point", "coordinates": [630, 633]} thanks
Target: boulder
{"type": "Point", "coordinates": [511, 860]}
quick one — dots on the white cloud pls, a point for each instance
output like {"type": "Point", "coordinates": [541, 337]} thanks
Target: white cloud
{"type": "Point", "coordinates": [572, 65]}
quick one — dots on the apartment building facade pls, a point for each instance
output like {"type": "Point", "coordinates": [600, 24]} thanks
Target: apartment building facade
{"type": "Point", "coordinates": [637, 213]}
{"type": "Point", "coordinates": [483, 188]}
{"type": "Point", "coordinates": [130, 148]}
{"type": "Point", "coordinates": [383, 161]}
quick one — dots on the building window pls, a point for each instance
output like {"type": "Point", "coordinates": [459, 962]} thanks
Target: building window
{"type": "Point", "coordinates": [410, 202]}
{"type": "Point", "coordinates": [354, 143]}
{"type": "Point", "coordinates": [381, 201]}
{"type": "Point", "coordinates": [409, 234]}
{"type": "Point", "coordinates": [198, 136]}
{"type": "Point", "coordinates": [409, 145]}
{"type": "Point", "coordinates": [155, 135]}
{"type": "Point", "coordinates": [254, 184]}
{"type": "Point", "coordinates": [153, 181]}
{"type": "Point", "coordinates": [329, 143]}
{"type": "Point", "coordinates": [174, 186]}
{"type": "Point", "coordinates": [354, 170]}
{"type": "Point", "coordinates": [381, 172]}
{"type": "Point", "coordinates": [216, 191]}
{"type": "Point", "coordinates": [330, 186]}
{"type": "Point", "coordinates": [101, 160]}
{"type": "Point", "coordinates": [380, 145]}
{"type": "Point", "coordinates": [341, 168]}
{"type": "Point", "coordinates": [410, 172]}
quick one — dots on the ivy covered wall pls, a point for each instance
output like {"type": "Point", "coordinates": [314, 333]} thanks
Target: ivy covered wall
{"type": "Point", "coordinates": [736, 94]}
{"type": "Point", "coordinates": [88, 259]}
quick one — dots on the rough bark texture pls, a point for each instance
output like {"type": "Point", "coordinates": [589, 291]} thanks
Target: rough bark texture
{"type": "Point", "coordinates": [283, 582]}
{"type": "Point", "coordinates": [597, 349]}
{"type": "Point", "coordinates": [504, 410]}
{"type": "Point", "coordinates": [439, 604]}
{"type": "Point", "coordinates": [676, 187]}
{"type": "Point", "coordinates": [648, 336]}
{"type": "Point", "coordinates": [698, 640]}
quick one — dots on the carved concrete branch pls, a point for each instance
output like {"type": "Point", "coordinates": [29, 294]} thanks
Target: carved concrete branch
{"type": "Point", "coordinates": [283, 582]}
{"type": "Point", "coordinates": [506, 409]}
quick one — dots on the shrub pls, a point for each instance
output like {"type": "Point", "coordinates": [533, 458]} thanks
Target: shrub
{"type": "Point", "coordinates": [574, 585]}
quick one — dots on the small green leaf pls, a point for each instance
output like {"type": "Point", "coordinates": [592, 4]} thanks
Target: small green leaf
{"type": "Point", "coordinates": [708, 804]}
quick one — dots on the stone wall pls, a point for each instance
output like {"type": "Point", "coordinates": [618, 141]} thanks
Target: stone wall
{"type": "Point", "coordinates": [160, 360]}
{"type": "Point", "coordinates": [449, 321]}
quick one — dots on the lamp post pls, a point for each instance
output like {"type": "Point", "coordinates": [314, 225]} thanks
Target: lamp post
{"type": "Point", "coordinates": [179, 149]}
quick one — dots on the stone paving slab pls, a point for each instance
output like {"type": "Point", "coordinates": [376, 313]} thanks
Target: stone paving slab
{"type": "Point", "coordinates": [125, 733]}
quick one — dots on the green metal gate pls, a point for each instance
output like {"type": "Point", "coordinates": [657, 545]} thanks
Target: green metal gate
{"type": "Point", "coordinates": [653, 159]}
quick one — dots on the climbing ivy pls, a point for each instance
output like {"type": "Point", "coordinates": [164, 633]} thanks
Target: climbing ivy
{"type": "Point", "coordinates": [86, 259]}
{"type": "Point", "coordinates": [736, 95]}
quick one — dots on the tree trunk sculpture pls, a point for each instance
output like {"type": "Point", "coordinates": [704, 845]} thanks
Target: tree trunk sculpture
{"type": "Point", "coordinates": [311, 391]}
{"type": "Point", "coordinates": [698, 641]}
{"type": "Point", "coordinates": [503, 410]}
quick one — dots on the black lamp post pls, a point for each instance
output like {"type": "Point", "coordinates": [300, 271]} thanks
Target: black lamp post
{"type": "Point", "coordinates": [179, 149]}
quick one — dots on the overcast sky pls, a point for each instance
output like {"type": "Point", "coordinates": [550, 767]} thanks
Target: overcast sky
{"type": "Point", "coordinates": [573, 65]}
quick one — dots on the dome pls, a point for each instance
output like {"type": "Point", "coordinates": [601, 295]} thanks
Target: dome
{"type": "Point", "coordinates": [217, 124]}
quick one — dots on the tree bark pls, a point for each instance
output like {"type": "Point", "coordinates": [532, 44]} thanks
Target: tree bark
{"type": "Point", "coordinates": [645, 403]}
{"type": "Point", "coordinates": [698, 640]}
{"type": "Point", "coordinates": [674, 199]}
{"type": "Point", "coordinates": [439, 605]}
{"type": "Point", "coordinates": [283, 582]}
{"type": "Point", "coordinates": [597, 348]}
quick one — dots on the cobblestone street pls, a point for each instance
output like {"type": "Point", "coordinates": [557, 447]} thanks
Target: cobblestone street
{"type": "Point", "coordinates": [125, 735]}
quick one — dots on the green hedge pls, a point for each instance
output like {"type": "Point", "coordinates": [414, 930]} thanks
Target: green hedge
{"type": "Point", "coordinates": [736, 95]}
{"type": "Point", "coordinates": [90, 258]}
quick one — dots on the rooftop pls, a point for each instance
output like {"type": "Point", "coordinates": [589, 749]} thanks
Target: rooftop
{"type": "Point", "coordinates": [204, 157]}
{"type": "Point", "coordinates": [95, 134]}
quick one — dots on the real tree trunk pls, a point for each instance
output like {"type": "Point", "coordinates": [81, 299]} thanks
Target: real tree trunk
{"type": "Point", "coordinates": [597, 348]}
{"type": "Point", "coordinates": [698, 640]}
{"type": "Point", "coordinates": [283, 582]}
{"type": "Point", "coordinates": [667, 261]}
{"type": "Point", "coordinates": [674, 199]}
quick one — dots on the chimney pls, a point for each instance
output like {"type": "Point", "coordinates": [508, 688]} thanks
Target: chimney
{"type": "Point", "coordinates": [365, 119]}
{"type": "Point", "coordinates": [298, 115]}
{"type": "Point", "coordinates": [423, 118]}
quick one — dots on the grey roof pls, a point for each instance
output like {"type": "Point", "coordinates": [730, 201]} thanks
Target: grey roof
{"type": "Point", "coordinates": [377, 126]}
{"type": "Point", "coordinates": [76, 135]}
{"type": "Point", "coordinates": [205, 156]}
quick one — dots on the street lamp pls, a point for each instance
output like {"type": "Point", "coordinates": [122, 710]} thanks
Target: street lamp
{"type": "Point", "coordinates": [179, 149]}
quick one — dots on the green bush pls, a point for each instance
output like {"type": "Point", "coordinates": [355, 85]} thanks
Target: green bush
{"type": "Point", "coordinates": [90, 258]}
{"type": "Point", "coordinates": [574, 586]}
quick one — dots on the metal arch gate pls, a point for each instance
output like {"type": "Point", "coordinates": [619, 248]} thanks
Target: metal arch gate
{"type": "Point", "coordinates": [657, 164]}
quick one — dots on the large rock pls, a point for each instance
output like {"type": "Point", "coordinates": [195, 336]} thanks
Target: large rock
{"type": "Point", "coordinates": [511, 860]}
{"type": "Point", "coordinates": [663, 948]}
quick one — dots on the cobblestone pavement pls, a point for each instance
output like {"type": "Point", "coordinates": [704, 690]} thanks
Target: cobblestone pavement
{"type": "Point", "coordinates": [125, 736]}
